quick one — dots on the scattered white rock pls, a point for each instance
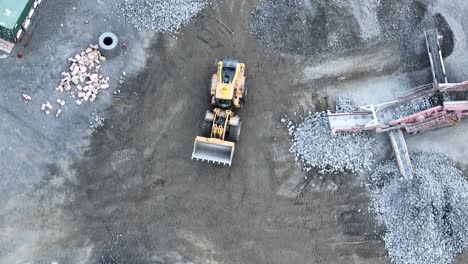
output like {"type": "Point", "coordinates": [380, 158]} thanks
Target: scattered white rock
{"type": "Point", "coordinates": [97, 122]}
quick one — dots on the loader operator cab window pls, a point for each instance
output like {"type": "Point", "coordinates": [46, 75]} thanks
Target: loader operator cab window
{"type": "Point", "coordinates": [224, 103]}
{"type": "Point", "coordinates": [228, 74]}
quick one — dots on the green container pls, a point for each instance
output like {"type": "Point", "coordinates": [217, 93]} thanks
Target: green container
{"type": "Point", "coordinates": [12, 15]}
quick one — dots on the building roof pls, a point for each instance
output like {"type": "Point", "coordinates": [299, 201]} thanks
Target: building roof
{"type": "Point", "coordinates": [10, 12]}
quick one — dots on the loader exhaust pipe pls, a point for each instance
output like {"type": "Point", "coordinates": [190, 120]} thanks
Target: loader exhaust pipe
{"type": "Point", "coordinates": [213, 150]}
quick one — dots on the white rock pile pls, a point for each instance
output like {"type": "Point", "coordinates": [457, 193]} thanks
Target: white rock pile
{"type": "Point", "coordinates": [160, 15]}
{"type": "Point", "coordinates": [425, 219]}
{"type": "Point", "coordinates": [315, 147]}
{"type": "Point", "coordinates": [84, 75]}
{"type": "Point", "coordinates": [83, 81]}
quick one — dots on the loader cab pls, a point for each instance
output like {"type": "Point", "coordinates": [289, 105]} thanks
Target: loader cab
{"type": "Point", "coordinates": [228, 70]}
{"type": "Point", "coordinates": [224, 103]}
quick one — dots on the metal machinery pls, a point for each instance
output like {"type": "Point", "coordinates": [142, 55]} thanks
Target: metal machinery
{"type": "Point", "coordinates": [440, 104]}
{"type": "Point", "coordinates": [221, 126]}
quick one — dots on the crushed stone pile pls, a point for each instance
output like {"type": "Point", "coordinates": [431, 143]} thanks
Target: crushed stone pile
{"type": "Point", "coordinates": [409, 108]}
{"type": "Point", "coordinates": [426, 219]}
{"type": "Point", "coordinates": [315, 146]}
{"type": "Point", "coordinates": [287, 26]}
{"type": "Point", "coordinates": [160, 15]}
{"type": "Point", "coordinates": [329, 26]}
{"type": "Point", "coordinates": [405, 21]}
{"type": "Point", "coordinates": [314, 27]}
{"type": "Point", "coordinates": [345, 105]}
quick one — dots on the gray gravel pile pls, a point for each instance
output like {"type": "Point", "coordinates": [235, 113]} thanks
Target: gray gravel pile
{"type": "Point", "coordinates": [406, 21]}
{"type": "Point", "coordinates": [315, 26]}
{"type": "Point", "coordinates": [315, 147]}
{"type": "Point", "coordinates": [160, 15]}
{"type": "Point", "coordinates": [285, 25]}
{"type": "Point", "coordinates": [426, 219]}
{"type": "Point", "coordinates": [345, 105]}
{"type": "Point", "coordinates": [410, 107]}
{"type": "Point", "coordinates": [330, 26]}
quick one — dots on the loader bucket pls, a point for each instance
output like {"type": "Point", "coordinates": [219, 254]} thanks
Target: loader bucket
{"type": "Point", "coordinates": [213, 150]}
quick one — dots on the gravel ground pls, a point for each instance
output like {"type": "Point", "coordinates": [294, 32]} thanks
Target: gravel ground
{"type": "Point", "coordinates": [314, 145]}
{"type": "Point", "coordinates": [160, 15]}
{"type": "Point", "coordinates": [426, 218]}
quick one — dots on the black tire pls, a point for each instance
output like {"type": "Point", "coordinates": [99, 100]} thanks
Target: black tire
{"type": "Point", "coordinates": [234, 133]}
{"type": "Point", "coordinates": [206, 129]}
{"type": "Point", "coordinates": [244, 91]}
{"type": "Point", "coordinates": [108, 44]}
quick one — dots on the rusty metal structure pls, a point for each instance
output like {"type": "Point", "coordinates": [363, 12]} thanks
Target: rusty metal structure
{"type": "Point", "coordinates": [435, 105]}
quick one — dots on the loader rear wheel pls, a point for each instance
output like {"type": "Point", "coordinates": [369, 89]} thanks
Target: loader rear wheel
{"type": "Point", "coordinates": [234, 132]}
{"type": "Point", "coordinates": [206, 129]}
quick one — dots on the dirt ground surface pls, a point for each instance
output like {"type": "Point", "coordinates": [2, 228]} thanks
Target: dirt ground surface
{"type": "Point", "coordinates": [128, 192]}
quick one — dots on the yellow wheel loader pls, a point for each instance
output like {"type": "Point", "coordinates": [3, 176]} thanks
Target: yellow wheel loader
{"type": "Point", "coordinates": [221, 127]}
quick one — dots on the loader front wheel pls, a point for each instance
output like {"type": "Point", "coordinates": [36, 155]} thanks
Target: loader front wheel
{"type": "Point", "coordinates": [234, 132]}
{"type": "Point", "coordinates": [206, 129]}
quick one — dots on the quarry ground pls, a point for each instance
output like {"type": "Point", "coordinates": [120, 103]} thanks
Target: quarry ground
{"type": "Point", "coordinates": [128, 192]}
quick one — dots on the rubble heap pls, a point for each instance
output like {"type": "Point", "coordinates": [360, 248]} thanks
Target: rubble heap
{"type": "Point", "coordinates": [160, 15]}
{"type": "Point", "coordinates": [314, 146]}
{"type": "Point", "coordinates": [425, 218]}
{"type": "Point", "coordinates": [84, 75]}
{"type": "Point", "coordinates": [83, 81]}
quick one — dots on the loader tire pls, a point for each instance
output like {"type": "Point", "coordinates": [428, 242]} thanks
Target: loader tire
{"type": "Point", "coordinates": [108, 42]}
{"type": "Point", "coordinates": [234, 132]}
{"type": "Point", "coordinates": [206, 129]}
{"type": "Point", "coordinates": [244, 91]}
{"type": "Point", "coordinates": [244, 94]}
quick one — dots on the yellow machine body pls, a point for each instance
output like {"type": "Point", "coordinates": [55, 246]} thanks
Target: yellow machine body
{"type": "Point", "coordinates": [230, 88]}
{"type": "Point", "coordinates": [221, 127]}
